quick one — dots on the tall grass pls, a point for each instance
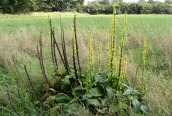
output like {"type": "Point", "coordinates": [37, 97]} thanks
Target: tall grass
{"type": "Point", "coordinates": [22, 46]}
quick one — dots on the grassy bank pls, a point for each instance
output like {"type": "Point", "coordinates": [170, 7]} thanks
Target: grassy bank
{"type": "Point", "coordinates": [20, 36]}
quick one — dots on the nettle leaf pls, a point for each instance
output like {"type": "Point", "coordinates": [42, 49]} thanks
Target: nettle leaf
{"type": "Point", "coordinates": [75, 99]}
{"type": "Point", "coordinates": [94, 92]}
{"type": "Point", "coordinates": [69, 76]}
{"type": "Point", "coordinates": [50, 100]}
{"type": "Point", "coordinates": [62, 98]}
{"type": "Point", "coordinates": [123, 106]}
{"type": "Point", "coordinates": [71, 109]}
{"type": "Point", "coordinates": [109, 92]}
{"type": "Point", "coordinates": [102, 111]}
{"type": "Point", "coordinates": [144, 109]}
{"type": "Point", "coordinates": [136, 104]}
{"type": "Point", "coordinates": [105, 74]}
{"type": "Point", "coordinates": [94, 101]}
{"type": "Point", "coordinates": [103, 101]}
{"type": "Point", "coordinates": [130, 91]}
{"type": "Point", "coordinates": [99, 79]}
{"type": "Point", "coordinates": [55, 110]}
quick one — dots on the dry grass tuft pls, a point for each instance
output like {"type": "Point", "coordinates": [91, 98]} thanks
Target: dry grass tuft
{"type": "Point", "coordinates": [17, 45]}
{"type": "Point", "coordinates": [159, 82]}
{"type": "Point", "coordinates": [134, 40]}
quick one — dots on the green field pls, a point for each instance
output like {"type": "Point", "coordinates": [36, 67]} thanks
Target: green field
{"type": "Point", "coordinates": [146, 24]}
{"type": "Point", "coordinates": [19, 35]}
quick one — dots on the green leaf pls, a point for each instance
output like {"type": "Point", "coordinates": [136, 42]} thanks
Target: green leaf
{"type": "Point", "coordinates": [51, 101]}
{"type": "Point", "coordinates": [73, 109]}
{"type": "Point", "coordinates": [78, 91]}
{"type": "Point", "coordinates": [69, 76]}
{"type": "Point", "coordinates": [123, 106]}
{"type": "Point", "coordinates": [99, 79]}
{"type": "Point", "coordinates": [55, 110]}
{"type": "Point", "coordinates": [94, 102]}
{"type": "Point", "coordinates": [109, 92]}
{"type": "Point", "coordinates": [65, 85]}
{"type": "Point", "coordinates": [144, 109]}
{"type": "Point", "coordinates": [136, 104]}
{"type": "Point", "coordinates": [102, 111]}
{"type": "Point", "coordinates": [94, 92]}
{"type": "Point", "coordinates": [103, 101]}
{"type": "Point", "coordinates": [75, 99]}
{"type": "Point", "coordinates": [130, 91]}
{"type": "Point", "coordinates": [105, 74]}
{"type": "Point", "coordinates": [62, 98]}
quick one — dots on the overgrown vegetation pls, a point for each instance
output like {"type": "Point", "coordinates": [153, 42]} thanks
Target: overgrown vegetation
{"type": "Point", "coordinates": [95, 7]}
{"type": "Point", "coordinates": [97, 89]}
{"type": "Point", "coordinates": [19, 98]}
{"type": "Point", "coordinates": [141, 7]}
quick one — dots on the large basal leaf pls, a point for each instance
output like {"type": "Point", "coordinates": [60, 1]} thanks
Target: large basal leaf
{"type": "Point", "coordinates": [62, 98]}
{"type": "Point", "coordinates": [78, 91]}
{"type": "Point", "coordinates": [94, 92]}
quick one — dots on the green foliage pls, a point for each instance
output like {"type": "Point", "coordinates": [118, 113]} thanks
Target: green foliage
{"type": "Point", "coordinates": [142, 7]}
{"type": "Point", "coordinates": [96, 7]}
{"type": "Point", "coordinates": [100, 93]}
{"type": "Point", "coordinates": [17, 6]}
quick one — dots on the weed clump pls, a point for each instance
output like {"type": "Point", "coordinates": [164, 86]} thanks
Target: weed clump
{"type": "Point", "coordinates": [95, 90]}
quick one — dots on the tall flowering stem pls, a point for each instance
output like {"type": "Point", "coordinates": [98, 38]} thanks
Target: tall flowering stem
{"type": "Point", "coordinates": [122, 46]}
{"type": "Point", "coordinates": [144, 62]}
{"type": "Point", "coordinates": [76, 61]}
{"type": "Point", "coordinates": [113, 43]}
{"type": "Point", "coordinates": [125, 69]}
{"type": "Point", "coordinates": [91, 51]}
{"type": "Point", "coordinates": [99, 49]}
{"type": "Point", "coordinates": [144, 53]}
{"type": "Point", "coordinates": [108, 49]}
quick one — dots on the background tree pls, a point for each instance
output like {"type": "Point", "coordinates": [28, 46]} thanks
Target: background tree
{"type": "Point", "coordinates": [151, 1]}
{"type": "Point", "coordinates": [141, 2]}
{"type": "Point", "coordinates": [168, 1]}
{"type": "Point", "coordinates": [104, 2]}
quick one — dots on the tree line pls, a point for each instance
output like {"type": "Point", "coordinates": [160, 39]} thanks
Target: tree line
{"type": "Point", "coordinates": [96, 7]}
{"type": "Point", "coordinates": [26, 6]}
{"type": "Point", "coordinates": [141, 7]}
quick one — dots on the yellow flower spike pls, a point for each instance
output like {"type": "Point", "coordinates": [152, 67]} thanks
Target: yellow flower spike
{"type": "Point", "coordinates": [144, 64]}
{"type": "Point", "coordinates": [113, 49]}
{"type": "Point", "coordinates": [99, 49]}
{"type": "Point", "coordinates": [144, 53]}
{"type": "Point", "coordinates": [74, 42]}
{"type": "Point", "coordinates": [89, 44]}
{"type": "Point", "coordinates": [91, 51]}
{"type": "Point", "coordinates": [125, 68]}
{"type": "Point", "coordinates": [117, 62]}
{"type": "Point", "coordinates": [122, 46]}
{"type": "Point", "coordinates": [108, 49]}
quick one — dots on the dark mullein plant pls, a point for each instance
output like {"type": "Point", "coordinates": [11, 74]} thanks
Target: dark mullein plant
{"type": "Point", "coordinates": [95, 90]}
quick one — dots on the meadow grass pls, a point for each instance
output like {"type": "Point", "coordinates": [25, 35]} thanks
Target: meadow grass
{"type": "Point", "coordinates": [146, 24]}
{"type": "Point", "coordinates": [19, 36]}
